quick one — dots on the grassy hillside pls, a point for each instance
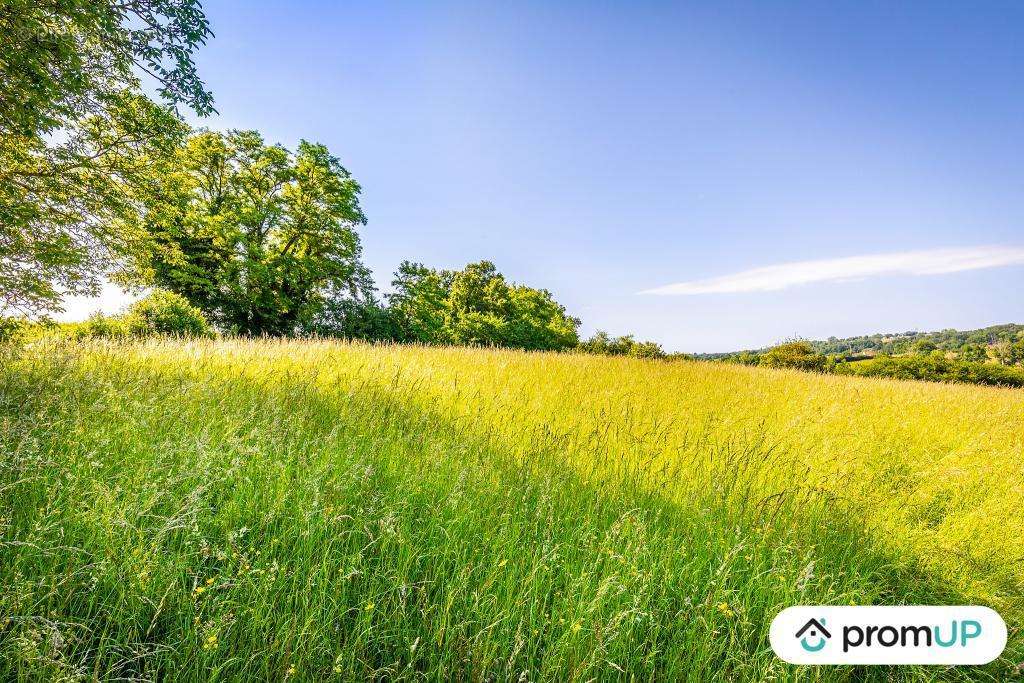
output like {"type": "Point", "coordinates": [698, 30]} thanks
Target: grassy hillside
{"type": "Point", "coordinates": [301, 510]}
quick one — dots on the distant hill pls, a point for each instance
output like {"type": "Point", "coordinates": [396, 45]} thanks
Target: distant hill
{"type": "Point", "coordinates": [896, 343]}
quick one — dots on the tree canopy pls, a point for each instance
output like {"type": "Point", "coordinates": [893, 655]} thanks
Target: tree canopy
{"type": "Point", "coordinates": [477, 305]}
{"type": "Point", "coordinates": [75, 132]}
{"type": "Point", "coordinates": [61, 205]}
{"type": "Point", "coordinates": [256, 236]}
{"type": "Point", "coordinates": [64, 60]}
{"type": "Point", "coordinates": [604, 344]}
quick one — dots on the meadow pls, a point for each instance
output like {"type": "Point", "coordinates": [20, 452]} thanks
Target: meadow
{"type": "Point", "coordinates": [317, 510]}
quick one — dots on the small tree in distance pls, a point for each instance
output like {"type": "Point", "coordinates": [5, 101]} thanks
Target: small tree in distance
{"type": "Point", "coordinates": [797, 354]}
{"type": "Point", "coordinates": [477, 305]}
{"type": "Point", "coordinates": [602, 343]}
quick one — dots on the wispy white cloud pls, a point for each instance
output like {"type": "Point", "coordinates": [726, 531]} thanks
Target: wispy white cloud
{"type": "Point", "coordinates": [783, 275]}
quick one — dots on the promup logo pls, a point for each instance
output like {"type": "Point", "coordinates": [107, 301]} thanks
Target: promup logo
{"type": "Point", "coordinates": [816, 631]}
{"type": "Point", "coordinates": [888, 635]}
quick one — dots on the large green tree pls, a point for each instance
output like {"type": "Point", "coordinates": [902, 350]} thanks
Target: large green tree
{"type": "Point", "coordinates": [258, 237]}
{"type": "Point", "coordinates": [76, 133]}
{"type": "Point", "coordinates": [477, 305]}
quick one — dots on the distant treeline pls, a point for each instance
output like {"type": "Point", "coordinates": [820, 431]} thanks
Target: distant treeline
{"type": "Point", "coordinates": [972, 344]}
{"type": "Point", "coordinates": [1003, 344]}
{"type": "Point", "coordinates": [924, 363]}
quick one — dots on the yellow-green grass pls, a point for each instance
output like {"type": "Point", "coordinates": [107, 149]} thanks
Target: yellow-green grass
{"type": "Point", "coordinates": [265, 510]}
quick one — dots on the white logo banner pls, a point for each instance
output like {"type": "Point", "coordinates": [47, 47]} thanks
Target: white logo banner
{"type": "Point", "coordinates": [888, 635]}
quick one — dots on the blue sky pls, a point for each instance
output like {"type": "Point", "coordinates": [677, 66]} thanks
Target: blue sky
{"type": "Point", "coordinates": [604, 149]}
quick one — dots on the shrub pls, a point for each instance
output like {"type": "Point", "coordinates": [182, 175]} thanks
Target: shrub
{"type": "Point", "coordinates": [99, 325]}
{"type": "Point", "coordinates": [795, 354]}
{"type": "Point", "coordinates": [166, 313]}
{"type": "Point", "coordinates": [604, 344]}
{"type": "Point", "coordinates": [743, 358]}
{"type": "Point", "coordinates": [646, 350]}
{"type": "Point", "coordinates": [159, 313]}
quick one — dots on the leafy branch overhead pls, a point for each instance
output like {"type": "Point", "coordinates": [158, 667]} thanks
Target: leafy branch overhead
{"type": "Point", "coordinates": [66, 59]}
{"type": "Point", "coordinates": [76, 132]}
{"type": "Point", "coordinates": [62, 205]}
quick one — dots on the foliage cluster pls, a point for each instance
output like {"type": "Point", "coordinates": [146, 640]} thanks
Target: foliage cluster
{"type": "Point", "coordinates": [604, 344]}
{"type": "Point", "coordinates": [252, 234]}
{"type": "Point", "coordinates": [159, 313]}
{"type": "Point", "coordinates": [76, 134]}
{"type": "Point", "coordinates": [794, 354]}
{"type": "Point", "coordinates": [477, 306]}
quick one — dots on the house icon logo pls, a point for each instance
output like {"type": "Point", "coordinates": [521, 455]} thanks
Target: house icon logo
{"type": "Point", "coordinates": [815, 631]}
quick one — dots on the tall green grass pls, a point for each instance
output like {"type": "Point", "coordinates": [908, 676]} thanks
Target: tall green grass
{"type": "Point", "coordinates": [310, 510]}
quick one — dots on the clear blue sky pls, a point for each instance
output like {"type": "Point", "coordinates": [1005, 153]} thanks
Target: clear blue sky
{"type": "Point", "coordinates": [601, 149]}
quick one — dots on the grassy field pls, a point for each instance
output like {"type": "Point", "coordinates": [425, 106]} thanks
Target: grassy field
{"type": "Point", "coordinates": [305, 511]}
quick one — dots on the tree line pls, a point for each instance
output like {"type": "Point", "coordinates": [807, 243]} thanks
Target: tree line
{"type": "Point", "coordinates": [922, 363]}
{"type": "Point", "coordinates": [98, 181]}
{"type": "Point", "coordinates": [997, 344]}
{"type": "Point", "coordinates": [1003, 344]}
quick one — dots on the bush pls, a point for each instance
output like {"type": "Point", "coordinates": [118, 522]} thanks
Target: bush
{"type": "Point", "coordinates": [603, 344]}
{"type": "Point", "coordinates": [743, 358]}
{"type": "Point", "coordinates": [647, 349]}
{"type": "Point", "coordinates": [795, 354]}
{"type": "Point", "coordinates": [159, 313]}
{"type": "Point", "coordinates": [99, 325]}
{"type": "Point", "coordinates": [166, 313]}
